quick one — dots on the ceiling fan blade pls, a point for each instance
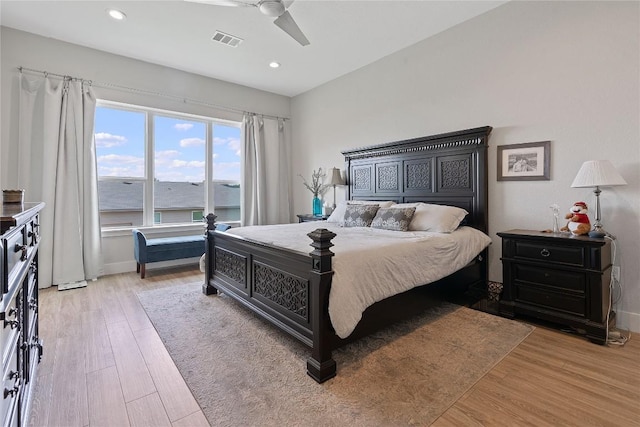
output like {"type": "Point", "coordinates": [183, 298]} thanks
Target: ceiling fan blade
{"type": "Point", "coordinates": [289, 26]}
{"type": "Point", "coordinates": [287, 3]}
{"type": "Point", "coordinates": [232, 3]}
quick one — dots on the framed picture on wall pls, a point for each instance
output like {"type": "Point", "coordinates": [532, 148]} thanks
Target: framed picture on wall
{"type": "Point", "coordinates": [524, 162]}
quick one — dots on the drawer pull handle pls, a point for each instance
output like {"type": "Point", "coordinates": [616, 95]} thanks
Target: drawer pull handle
{"type": "Point", "coordinates": [13, 375]}
{"type": "Point", "coordinates": [545, 252]}
{"type": "Point", "coordinates": [22, 248]}
{"type": "Point", "coordinates": [11, 323]}
{"type": "Point", "coordinates": [34, 237]}
{"type": "Point", "coordinates": [11, 392]}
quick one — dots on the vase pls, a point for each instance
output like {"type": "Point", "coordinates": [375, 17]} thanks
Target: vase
{"type": "Point", "coordinates": [317, 207]}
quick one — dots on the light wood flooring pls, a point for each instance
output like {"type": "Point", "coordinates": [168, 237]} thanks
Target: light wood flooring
{"type": "Point", "coordinates": [104, 365]}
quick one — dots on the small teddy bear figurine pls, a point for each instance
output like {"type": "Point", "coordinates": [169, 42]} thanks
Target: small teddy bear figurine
{"type": "Point", "coordinates": [578, 220]}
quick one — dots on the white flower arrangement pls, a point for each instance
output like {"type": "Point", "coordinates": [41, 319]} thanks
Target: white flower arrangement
{"type": "Point", "coordinates": [317, 185]}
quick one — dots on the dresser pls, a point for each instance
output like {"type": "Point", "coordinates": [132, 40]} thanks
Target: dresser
{"type": "Point", "coordinates": [559, 278]}
{"type": "Point", "coordinates": [21, 346]}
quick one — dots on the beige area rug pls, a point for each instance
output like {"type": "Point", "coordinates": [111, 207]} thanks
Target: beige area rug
{"type": "Point", "coordinates": [244, 372]}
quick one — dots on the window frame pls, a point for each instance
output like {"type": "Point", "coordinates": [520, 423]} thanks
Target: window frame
{"type": "Point", "coordinates": [148, 217]}
{"type": "Point", "coordinates": [197, 212]}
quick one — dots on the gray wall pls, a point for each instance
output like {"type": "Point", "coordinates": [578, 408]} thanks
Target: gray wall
{"type": "Point", "coordinates": [567, 72]}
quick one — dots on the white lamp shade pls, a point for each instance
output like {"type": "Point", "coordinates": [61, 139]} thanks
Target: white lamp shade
{"type": "Point", "coordinates": [598, 173]}
{"type": "Point", "coordinates": [336, 177]}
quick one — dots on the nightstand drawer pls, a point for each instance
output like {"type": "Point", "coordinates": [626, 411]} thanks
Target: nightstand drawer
{"type": "Point", "coordinates": [560, 280]}
{"type": "Point", "coordinates": [566, 255]}
{"type": "Point", "coordinates": [556, 301]}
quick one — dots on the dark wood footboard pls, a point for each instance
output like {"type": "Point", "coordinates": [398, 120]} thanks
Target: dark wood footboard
{"type": "Point", "coordinates": [286, 288]}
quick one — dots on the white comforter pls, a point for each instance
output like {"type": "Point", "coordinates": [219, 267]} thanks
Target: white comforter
{"type": "Point", "coordinates": [372, 264]}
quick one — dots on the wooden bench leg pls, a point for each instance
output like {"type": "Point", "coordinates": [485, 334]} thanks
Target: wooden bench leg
{"type": "Point", "coordinates": [137, 267]}
{"type": "Point", "coordinates": [142, 271]}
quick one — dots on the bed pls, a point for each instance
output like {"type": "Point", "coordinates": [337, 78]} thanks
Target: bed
{"type": "Point", "coordinates": [292, 289]}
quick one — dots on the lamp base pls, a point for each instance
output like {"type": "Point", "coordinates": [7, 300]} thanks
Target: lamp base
{"type": "Point", "coordinates": [597, 234]}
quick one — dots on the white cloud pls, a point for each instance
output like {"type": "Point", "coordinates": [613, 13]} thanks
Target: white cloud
{"type": "Point", "coordinates": [107, 140]}
{"type": "Point", "coordinates": [187, 164]}
{"type": "Point", "coordinates": [183, 126]}
{"type": "Point", "coordinates": [166, 155]}
{"type": "Point", "coordinates": [119, 165]}
{"type": "Point", "coordinates": [232, 143]}
{"type": "Point", "coordinates": [191, 142]}
{"type": "Point", "coordinates": [226, 171]}
{"type": "Point", "coordinates": [119, 159]}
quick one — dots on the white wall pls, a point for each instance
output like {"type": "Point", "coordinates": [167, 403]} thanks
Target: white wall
{"type": "Point", "coordinates": [567, 72]}
{"type": "Point", "coordinates": [19, 48]}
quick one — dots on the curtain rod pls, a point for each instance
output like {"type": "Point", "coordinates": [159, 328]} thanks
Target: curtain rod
{"type": "Point", "coordinates": [146, 92]}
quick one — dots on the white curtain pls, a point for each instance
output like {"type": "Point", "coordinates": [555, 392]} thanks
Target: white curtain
{"type": "Point", "coordinates": [57, 165]}
{"type": "Point", "coordinates": [265, 185]}
{"type": "Point", "coordinates": [284, 213]}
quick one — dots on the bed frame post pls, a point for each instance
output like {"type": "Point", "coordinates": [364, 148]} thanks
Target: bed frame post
{"type": "Point", "coordinates": [321, 366]}
{"type": "Point", "coordinates": [207, 289]}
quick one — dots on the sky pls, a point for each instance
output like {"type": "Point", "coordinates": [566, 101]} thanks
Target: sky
{"type": "Point", "coordinates": [179, 147]}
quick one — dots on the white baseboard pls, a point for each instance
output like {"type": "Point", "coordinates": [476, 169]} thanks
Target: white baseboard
{"type": "Point", "coordinates": [628, 321]}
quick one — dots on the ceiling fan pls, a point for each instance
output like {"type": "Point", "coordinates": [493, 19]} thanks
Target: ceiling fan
{"type": "Point", "coordinates": [272, 8]}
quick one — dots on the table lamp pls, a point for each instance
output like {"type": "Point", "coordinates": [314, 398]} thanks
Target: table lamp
{"type": "Point", "coordinates": [597, 173]}
{"type": "Point", "coordinates": [336, 179]}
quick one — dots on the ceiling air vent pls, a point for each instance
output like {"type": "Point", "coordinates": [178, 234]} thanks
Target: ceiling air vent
{"type": "Point", "coordinates": [227, 39]}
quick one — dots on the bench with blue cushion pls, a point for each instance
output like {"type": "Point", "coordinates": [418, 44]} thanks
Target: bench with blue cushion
{"type": "Point", "coordinates": [164, 249]}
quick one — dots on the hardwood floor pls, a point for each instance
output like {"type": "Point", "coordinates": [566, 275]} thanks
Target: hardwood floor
{"type": "Point", "coordinates": [104, 365]}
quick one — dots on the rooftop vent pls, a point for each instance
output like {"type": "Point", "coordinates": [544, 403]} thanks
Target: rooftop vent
{"type": "Point", "coordinates": [227, 39]}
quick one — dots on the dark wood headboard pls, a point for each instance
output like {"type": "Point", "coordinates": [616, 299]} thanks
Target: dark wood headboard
{"type": "Point", "coordinates": [447, 169]}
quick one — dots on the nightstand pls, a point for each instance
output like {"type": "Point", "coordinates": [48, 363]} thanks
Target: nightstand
{"type": "Point", "coordinates": [309, 217]}
{"type": "Point", "coordinates": [559, 278]}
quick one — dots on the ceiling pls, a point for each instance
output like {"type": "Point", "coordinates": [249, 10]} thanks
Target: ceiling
{"type": "Point", "coordinates": [344, 35]}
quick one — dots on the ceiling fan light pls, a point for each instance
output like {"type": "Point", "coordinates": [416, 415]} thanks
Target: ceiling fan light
{"type": "Point", "coordinates": [272, 8]}
{"type": "Point", "coordinates": [116, 14]}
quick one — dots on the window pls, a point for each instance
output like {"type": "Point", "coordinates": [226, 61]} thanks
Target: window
{"type": "Point", "coordinates": [197, 216]}
{"type": "Point", "coordinates": [160, 167]}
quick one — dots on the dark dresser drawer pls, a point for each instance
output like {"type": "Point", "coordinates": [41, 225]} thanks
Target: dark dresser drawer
{"type": "Point", "coordinates": [557, 301]}
{"type": "Point", "coordinates": [549, 278]}
{"type": "Point", "coordinates": [11, 384]}
{"type": "Point", "coordinates": [559, 278]}
{"type": "Point", "coordinates": [11, 320]}
{"type": "Point", "coordinates": [15, 255]}
{"type": "Point", "coordinates": [550, 253]}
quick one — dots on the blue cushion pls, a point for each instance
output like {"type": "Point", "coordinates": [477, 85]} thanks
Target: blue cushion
{"type": "Point", "coordinates": [166, 248]}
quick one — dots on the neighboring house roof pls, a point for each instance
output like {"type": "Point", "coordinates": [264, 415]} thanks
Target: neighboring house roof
{"type": "Point", "coordinates": [127, 195]}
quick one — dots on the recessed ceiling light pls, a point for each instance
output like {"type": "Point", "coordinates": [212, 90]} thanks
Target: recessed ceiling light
{"type": "Point", "coordinates": [116, 14]}
{"type": "Point", "coordinates": [274, 64]}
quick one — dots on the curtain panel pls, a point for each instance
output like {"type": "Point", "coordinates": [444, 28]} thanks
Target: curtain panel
{"type": "Point", "coordinates": [265, 183]}
{"type": "Point", "coordinates": [57, 165]}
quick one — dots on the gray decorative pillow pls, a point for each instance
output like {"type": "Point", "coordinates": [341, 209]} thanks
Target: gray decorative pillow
{"type": "Point", "coordinates": [360, 215]}
{"type": "Point", "coordinates": [397, 219]}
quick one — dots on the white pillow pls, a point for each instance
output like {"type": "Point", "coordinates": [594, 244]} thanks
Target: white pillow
{"type": "Point", "coordinates": [341, 208]}
{"type": "Point", "coordinates": [437, 218]}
